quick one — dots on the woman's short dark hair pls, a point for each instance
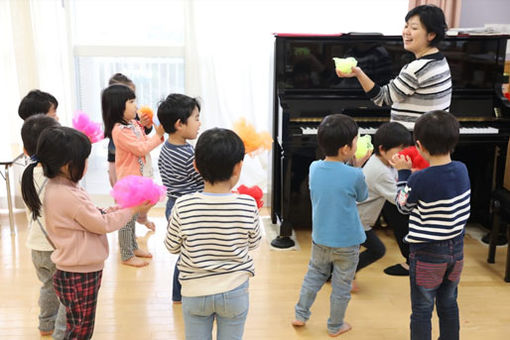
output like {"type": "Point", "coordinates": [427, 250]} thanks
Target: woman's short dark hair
{"type": "Point", "coordinates": [336, 131]}
{"type": "Point", "coordinates": [216, 153]}
{"type": "Point", "coordinates": [391, 135]}
{"type": "Point", "coordinates": [437, 131]}
{"type": "Point", "coordinates": [113, 105]}
{"type": "Point", "coordinates": [57, 146]}
{"type": "Point", "coordinates": [432, 17]}
{"type": "Point", "coordinates": [176, 106]}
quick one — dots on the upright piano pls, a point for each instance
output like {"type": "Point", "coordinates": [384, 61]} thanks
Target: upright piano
{"type": "Point", "coordinates": [306, 89]}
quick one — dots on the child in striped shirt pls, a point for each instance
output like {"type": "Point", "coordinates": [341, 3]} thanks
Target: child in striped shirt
{"type": "Point", "coordinates": [438, 201]}
{"type": "Point", "coordinates": [180, 117]}
{"type": "Point", "coordinates": [213, 231]}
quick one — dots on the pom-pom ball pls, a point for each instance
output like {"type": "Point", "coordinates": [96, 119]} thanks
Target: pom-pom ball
{"type": "Point", "coordinates": [93, 131]}
{"type": "Point", "coordinates": [364, 146]}
{"type": "Point", "coordinates": [254, 192]}
{"type": "Point", "coordinates": [252, 140]}
{"type": "Point", "coordinates": [131, 191]}
{"type": "Point", "coordinates": [145, 110]}
{"type": "Point", "coordinates": [345, 65]}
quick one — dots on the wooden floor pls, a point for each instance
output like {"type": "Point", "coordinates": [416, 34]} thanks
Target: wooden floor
{"type": "Point", "coordinates": [135, 303]}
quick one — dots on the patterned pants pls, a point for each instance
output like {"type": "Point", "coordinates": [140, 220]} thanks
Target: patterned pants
{"type": "Point", "coordinates": [127, 240]}
{"type": "Point", "coordinates": [78, 293]}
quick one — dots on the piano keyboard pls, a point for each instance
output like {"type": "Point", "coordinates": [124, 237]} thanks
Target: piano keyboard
{"type": "Point", "coordinates": [306, 130]}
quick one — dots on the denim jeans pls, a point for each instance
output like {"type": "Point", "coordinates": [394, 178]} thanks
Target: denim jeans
{"type": "Point", "coordinates": [344, 261]}
{"type": "Point", "coordinates": [176, 285]}
{"type": "Point", "coordinates": [434, 272]}
{"type": "Point", "coordinates": [229, 309]}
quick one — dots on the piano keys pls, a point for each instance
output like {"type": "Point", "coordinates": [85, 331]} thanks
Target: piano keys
{"type": "Point", "coordinates": [306, 89]}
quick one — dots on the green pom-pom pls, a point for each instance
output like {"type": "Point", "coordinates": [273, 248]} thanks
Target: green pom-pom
{"type": "Point", "coordinates": [364, 145]}
{"type": "Point", "coordinates": [344, 65]}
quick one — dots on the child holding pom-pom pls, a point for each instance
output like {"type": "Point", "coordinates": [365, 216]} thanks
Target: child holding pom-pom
{"type": "Point", "coordinates": [132, 145]}
{"type": "Point", "coordinates": [74, 225]}
{"type": "Point", "coordinates": [180, 116]}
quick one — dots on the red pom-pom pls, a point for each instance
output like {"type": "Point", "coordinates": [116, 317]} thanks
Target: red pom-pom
{"type": "Point", "coordinates": [132, 190]}
{"type": "Point", "coordinates": [418, 161]}
{"type": "Point", "coordinates": [254, 192]}
{"type": "Point", "coordinates": [93, 131]}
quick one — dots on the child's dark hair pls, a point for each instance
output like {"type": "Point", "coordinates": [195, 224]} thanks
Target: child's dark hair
{"type": "Point", "coordinates": [119, 78]}
{"type": "Point", "coordinates": [32, 129]}
{"type": "Point", "coordinates": [216, 153]}
{"type": "Point", "coordinates": [437, 131]}
{"type": "Point", "coordinates": [334, 132]}
{"type": "Point", "coordinates": [176, 106]}
{"type": "Point", "coordinates": [432, 17]}
{"type": "Point", "coordinates": [56, 147]}
{"type": "Point", "coordinates": [113, 105]}
{"type": "Point", "coordinates": [391, 135]}
{"type": "Point", "coordinates": [36, 102]}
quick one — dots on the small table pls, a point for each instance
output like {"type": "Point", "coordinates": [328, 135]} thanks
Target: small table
{"type": "Point", "coordinates": [8, 157]}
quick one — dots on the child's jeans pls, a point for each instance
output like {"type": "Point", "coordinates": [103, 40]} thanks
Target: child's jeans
{"type": "Point", "coordinates": [434, 271]}
{"type": "Point", "coordinates": [344, 261]}
{"type": "Point", "coordinates": [176, 285]}
{"type": "Point", "coordinates": [229, 309]}
{"type": "Point", "coordinates": [52, 316]}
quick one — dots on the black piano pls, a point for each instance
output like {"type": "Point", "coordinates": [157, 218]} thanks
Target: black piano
{"type": "Point", "coordinates": [306, 89]}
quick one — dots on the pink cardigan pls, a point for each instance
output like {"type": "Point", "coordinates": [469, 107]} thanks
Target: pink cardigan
{"type": "Point", "coordinates": [130, 148]}
{"type": "Point", "coordinates": [77, 227]}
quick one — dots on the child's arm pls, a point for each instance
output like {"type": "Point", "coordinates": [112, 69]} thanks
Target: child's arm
{"type": "Point", "coordinates": [125, 138]}
{"type": "Point", "coordinates": [254, 236]}
{"type": "Point", "coordinates": [173, 239]}
{"type": "Point", "coordinates": [361, 188]}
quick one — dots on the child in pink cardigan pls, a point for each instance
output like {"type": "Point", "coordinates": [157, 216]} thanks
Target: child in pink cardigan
{"type": "Point", "coordinates": [131, 156]}
{"type": "Point", "coordinates": [74, 225]}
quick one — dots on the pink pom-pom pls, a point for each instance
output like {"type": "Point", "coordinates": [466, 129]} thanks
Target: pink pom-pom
{"type": "Point", "coordinates": [131, 191]}
{"type": "Point", "coordinates": [92, 130]}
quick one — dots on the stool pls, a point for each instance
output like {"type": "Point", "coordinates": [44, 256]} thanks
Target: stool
{"type": "Point", "coordinates": [500, 204]}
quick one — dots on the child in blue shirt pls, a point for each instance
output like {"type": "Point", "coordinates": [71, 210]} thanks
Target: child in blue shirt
{"type": "Point", "coordinates": [438, 201]}
{"type": "Point", "coordinates": [337, 233]}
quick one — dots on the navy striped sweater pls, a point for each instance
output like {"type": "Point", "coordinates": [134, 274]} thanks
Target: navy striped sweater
{"type": "Point", "coordinates": [437, 199]}
{"type": "Point", "coordinates": [213, 233]}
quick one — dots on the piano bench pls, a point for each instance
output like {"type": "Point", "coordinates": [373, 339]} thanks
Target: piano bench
{"type": "Point", "coordinates": [500, 207]}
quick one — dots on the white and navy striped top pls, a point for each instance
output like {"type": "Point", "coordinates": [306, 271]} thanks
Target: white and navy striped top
{"type": "Point", "coordinates": [437, 199]}
{"type": "Point", "coordinates": [175, 165]}
{"type": "Point", "coordinates": [213, 233]}
{"type": "Point", "coordinates": [423, 85]}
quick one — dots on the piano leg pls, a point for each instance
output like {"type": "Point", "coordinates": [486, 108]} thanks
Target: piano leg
{"type": "Point", "coordinates": [283, 240]}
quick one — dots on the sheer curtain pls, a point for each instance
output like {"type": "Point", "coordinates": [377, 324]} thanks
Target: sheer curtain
{"type": "Point", "coordinates": [451, 9]}
{"type": "Point", "coordinates": [229, 54]}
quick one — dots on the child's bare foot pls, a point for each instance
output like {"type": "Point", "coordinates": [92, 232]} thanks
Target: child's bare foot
{"type": "Point", "coordinates": [46, 333]}
{"type": "Point", "coordinates": [298, 323]}
{"type": "Point", "coordinates": [135, 262]}
{"type": "Point", "coordinates": [345, 328]}
{"type": "Point", "coordinates": [177, 302]}
{"type": "Point", "coordinates": [354, 287]}
{"type": "Point", "coordinates": [142, 253]}
{"type": "Point", "coordinates": [150, 225]}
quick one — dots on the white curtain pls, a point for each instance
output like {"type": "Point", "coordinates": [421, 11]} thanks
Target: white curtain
{"type": "Point", "coordinates": [229, 53]}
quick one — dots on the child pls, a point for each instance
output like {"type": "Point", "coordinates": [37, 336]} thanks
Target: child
{"type": "Point", "coordinates": [381, 178]}
{"type": "Point", "coordinates": [52, 317]}
{"type": "Point", "coordinates": [437, 199]}
{"type": "Point", "coordinates": [119, 110]}
{"type": "Point", "coordinates": [336, 228]}
{"type": "Point", "coordinates": [75, 226]}
{"type": "Point", "coordinates": [214, 231]}
{"type": "Point", "coordinates": [180, 116]}
{"type": "Point", "coordinates": [36, 102]}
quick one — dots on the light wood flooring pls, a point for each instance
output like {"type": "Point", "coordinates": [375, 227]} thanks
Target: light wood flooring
{"type": "Point", "coordinates": [135, 303]}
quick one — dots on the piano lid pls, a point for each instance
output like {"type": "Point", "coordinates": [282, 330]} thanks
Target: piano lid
{"type": "Point", "coordinates": [304, 63]}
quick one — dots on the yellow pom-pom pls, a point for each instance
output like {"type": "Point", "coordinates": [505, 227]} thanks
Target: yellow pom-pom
{"type": "Point", "coordinates": [345, 65]}
{"type": "Point", "coordinates": [364, 146]}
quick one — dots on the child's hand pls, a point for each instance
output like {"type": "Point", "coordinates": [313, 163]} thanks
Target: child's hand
{"type": "Point", "coordinates": [112, 209]}
{"type": "Point", "coordinates": [354, 73]}
{"type": "Point", "coordinates": [401, 162]}
{"type": "Point", "coordinates": [160, 130]}
{"type": "Point", "coordinates": [143, 207]}
{"type": "Point", "coordinates": [145, 119]}
{"type": "Point", "coordinates": [359, 162]}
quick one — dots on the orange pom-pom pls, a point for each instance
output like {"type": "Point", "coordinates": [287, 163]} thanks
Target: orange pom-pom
{"type": "Point", "coordinates": [253, 140]}
{"type": "Point", "coordinates": [145, 110]}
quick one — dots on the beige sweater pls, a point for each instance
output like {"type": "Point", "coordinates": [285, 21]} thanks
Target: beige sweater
{"type": "Point", "coordinates": [77, 227]}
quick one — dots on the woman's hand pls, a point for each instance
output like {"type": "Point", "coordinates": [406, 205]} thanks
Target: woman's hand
{"type": "Point", "coordinates": [355, 71]}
